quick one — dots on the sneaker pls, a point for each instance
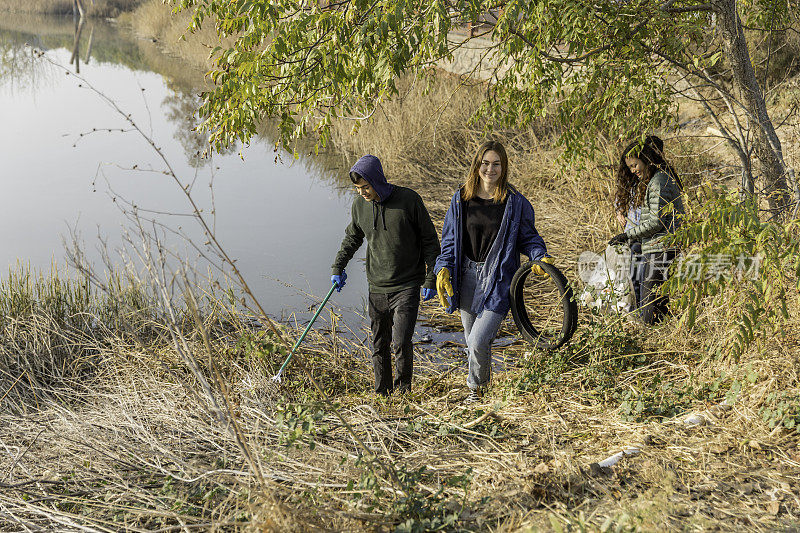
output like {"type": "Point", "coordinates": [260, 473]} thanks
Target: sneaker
{"type": "Point", "coordinates": [473, 396]}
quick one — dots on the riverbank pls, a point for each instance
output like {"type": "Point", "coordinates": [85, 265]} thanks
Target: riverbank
{"type": "Point", "coordinates": [123, 417]}
{"type": "Point", "coordinates": [95, 8]}
{"type": "Point", "coordinates": [116, 415]}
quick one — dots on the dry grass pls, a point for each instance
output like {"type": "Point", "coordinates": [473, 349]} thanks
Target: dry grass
{"type": "Point", "coordinates": [132, 441]}
{"type": "Point", "coordinates": [154, 20]}
{"type": "Point", "coordinates": [735, 471]}
{"type": "Point", "coordinates": [98, 8]}
{"type": "Point", "coordinates": [111, 43]}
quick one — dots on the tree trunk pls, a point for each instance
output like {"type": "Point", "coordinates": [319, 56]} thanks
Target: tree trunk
{"type": "Point", "coordinates": [767, 146]}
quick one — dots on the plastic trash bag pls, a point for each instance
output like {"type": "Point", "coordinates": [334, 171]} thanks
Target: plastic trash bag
{"type": "Point", "coordinates": [607, 280]}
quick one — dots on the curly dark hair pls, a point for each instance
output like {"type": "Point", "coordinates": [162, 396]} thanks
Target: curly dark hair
{"type": "Point", "coordinates": [630, 190]}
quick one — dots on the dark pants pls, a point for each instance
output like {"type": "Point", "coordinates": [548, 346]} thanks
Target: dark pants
{"type": "Point", "coordinates": [637, 262]}
{"type": "Point", "coordinates": [653, 306]}
{"type": "Point", "coordinates": [392, 318]}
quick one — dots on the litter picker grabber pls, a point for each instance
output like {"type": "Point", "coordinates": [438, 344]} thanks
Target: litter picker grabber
{"type": "Point", "coordinates": [277, 377]}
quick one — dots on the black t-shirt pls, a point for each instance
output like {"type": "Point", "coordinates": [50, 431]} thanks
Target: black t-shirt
{"type": "Point", "coordinates": [481, 222]}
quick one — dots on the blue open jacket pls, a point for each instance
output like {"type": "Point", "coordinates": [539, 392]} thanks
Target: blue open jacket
{"type": "Point", "coordinates": [517, 235]}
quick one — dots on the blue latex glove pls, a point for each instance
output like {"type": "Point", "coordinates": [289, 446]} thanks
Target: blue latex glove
{"type": "Point", "coordinates": [339, 280]}
{"type": "Point", "coordinates": [428, 294]}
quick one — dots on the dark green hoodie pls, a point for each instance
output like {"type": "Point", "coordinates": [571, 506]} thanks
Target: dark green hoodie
{"type": "Point", "coordinates": [401, 239]}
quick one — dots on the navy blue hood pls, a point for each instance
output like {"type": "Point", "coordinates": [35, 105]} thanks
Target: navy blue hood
{"type": "Point", "coordinates": [369, 167]}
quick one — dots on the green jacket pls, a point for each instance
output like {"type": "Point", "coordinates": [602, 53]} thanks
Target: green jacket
{"type": "Point", "coordinates": [657, 218]}
{"type": "Point", "coordinates": [401, 242]}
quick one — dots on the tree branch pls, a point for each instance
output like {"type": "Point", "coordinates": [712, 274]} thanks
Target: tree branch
{"type": "Point", "coordinates": [582, 57]}
{"type": "Point", "coordinates": [703, 7]}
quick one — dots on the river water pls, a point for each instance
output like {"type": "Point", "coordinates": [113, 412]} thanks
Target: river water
{"type": "Point", "coordinates": [64, 173]}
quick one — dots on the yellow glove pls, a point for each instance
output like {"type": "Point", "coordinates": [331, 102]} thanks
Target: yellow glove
{"type": "Point", "coordinates": [539, 271]}
{"type": "Point", "coordinates": [443, 286]}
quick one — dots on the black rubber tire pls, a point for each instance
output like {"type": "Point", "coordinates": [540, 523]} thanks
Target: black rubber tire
{"type": "Point", "coordinates": [520, 314]}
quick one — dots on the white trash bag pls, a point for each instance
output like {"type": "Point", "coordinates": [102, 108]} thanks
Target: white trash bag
{"type": "Point", "coordinates": [607, 279]}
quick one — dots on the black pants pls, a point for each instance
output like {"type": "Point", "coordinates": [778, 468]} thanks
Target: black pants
{"type": "Point", "coordinates": [392, 318]}
{"type": "Point", "coordinates": [653, 306]}
{"type": "Point", "coordinates": [637, 262]}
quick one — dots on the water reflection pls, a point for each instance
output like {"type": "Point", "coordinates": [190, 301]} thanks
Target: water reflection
{"type": "Point", "coordinates": [107, 43]}
{"type": "Point", "coordinates": [282, 219]}
{"type": "Point", "coordinates": [181, 109]}
{"type": "Point", "coordinates": [19, 68]}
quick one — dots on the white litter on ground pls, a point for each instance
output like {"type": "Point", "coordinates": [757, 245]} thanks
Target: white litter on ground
{"type": "Point", "coordinates": [610, 461]}
{"type": "Point", "coordinates": [707, 416]}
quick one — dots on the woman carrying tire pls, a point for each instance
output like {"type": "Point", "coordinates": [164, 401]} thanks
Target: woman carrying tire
{"type": "Point", "coordinates": [489, 223]}
{"type": "Point", "coordinates": [646, 180]}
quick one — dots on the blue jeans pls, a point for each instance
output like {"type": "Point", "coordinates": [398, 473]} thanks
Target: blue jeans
{"type": "Point", "coordinates": [479, 329]}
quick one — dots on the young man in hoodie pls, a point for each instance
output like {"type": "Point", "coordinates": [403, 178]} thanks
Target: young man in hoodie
{"type": "Point", "coordinates": [402, 247]}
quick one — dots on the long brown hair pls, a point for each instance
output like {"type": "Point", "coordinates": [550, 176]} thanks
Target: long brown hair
{"type": "Point", "coordinates": [472, 185]}
{"type": "Point", "coordinates": [630, 189]}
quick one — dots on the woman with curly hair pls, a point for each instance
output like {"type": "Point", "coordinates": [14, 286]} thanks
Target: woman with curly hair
{"type": "Point", "coordinates": [648, 185]}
